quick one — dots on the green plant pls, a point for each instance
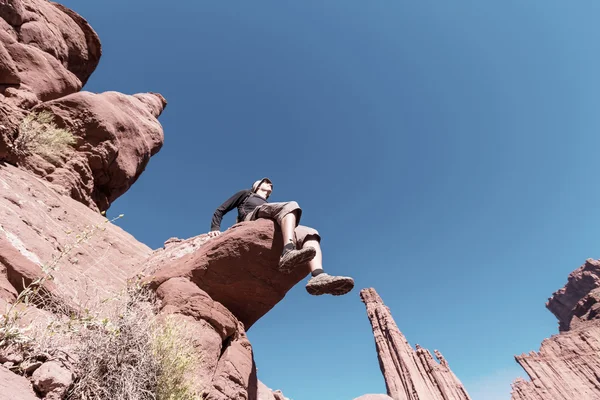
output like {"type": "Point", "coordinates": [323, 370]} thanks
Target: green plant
{"type": "Point", "coordinates": [176, 358]}
{"type": "Point", "coordinates": [38, 134]}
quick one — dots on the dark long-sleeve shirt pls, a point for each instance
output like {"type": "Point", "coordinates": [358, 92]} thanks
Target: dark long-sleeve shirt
{"type": "Point", "coordinates": [244, 200]}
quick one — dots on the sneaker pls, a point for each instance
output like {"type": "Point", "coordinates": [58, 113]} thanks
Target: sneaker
{"type": "Point", "coordinates": [292, 258]}
{"type": "Point", "coordinates": [328, 284]}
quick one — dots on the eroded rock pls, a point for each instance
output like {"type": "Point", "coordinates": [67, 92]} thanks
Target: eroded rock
{"type": "Point", "coordinates": [15, 387]}
{"type": "Point", "coordinates": [409, 374]}
{"type": "Point", "coordinates": [239, 269]}
{"type": "Point", "coordinates": [45, 48]}
{"type": "Point", "coordinates": [52, 380]}
{"type": "Point", "coordinates": [116, 136]}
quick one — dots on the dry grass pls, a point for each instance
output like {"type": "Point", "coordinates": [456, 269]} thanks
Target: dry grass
{"type": "Point", "coordinates": [134, 356]}
{"type": "Point", "coordinates": [127, 354]}
{"type": "Point", "coordinates": [38, 134]}
{"type": "Point", "coordinates": [114, 358]}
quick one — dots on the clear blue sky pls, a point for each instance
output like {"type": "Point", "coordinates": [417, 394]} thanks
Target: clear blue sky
{"type": "Point", "coordinates": [446, 151]}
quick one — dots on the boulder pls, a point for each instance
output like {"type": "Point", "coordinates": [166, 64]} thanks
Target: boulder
{"type": "Point", "coordinates": [45, 48]}
{"type": "Point", "coordinates": [239, 268]}
{"type": "Point", "coordinates": [116, 136]}
{"type": "Point", "coordinates": [15, 387]}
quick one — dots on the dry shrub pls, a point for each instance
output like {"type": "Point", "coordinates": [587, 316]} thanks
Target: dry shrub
{"type": "Point", "coordinates": [38, 134]}
{"type": "Point", "coordinates": [176, 357]}
{"type": "Point", "coordinates": [133, 357]}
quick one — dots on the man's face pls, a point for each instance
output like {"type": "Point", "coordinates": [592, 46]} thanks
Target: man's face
{"type": "Point", "coordinates": [265, 189]}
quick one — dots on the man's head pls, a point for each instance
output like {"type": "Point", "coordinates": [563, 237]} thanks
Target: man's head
{"type": "Point", "coordinates": [263, 187]}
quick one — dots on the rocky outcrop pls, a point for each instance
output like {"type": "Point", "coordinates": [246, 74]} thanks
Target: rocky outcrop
{"type": "Point", "coordinates": [409, 374]}
{"type": "Point", "coordinates": [45, 48]}
{"type": "Point", "coordinates": [36, 226]}
{"type": "Point", "coordinates": [374, 397]}
{"type": "Point", "coordinates": [47, 53]}
{"type": "Point", "coordinates": [217, 288]}
{"type": "Point", "coordinates": [577, 301]}
{"type": "Point", "coordinates": [238, 268]}
{"type": "Point", "coordinates": [116, 136]}
{"type": "Point", "coordinates": [265, 393]}
{"type": "Point", "coordinates": [15, 387]}
{"type": "Point", "coordinates": [568, 364]}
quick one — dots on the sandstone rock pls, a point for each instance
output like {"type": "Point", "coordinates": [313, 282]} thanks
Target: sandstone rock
{"type": "Point", "coordinates": [568, 364]}
{"type": "Point", "coordinates": [566, 367]}
{"type": "Point", "coordinates": [117, 134]}
{"type": "Point", "coordinates": [265, 393]}
{"type": "Point", "coordinates": [13, 386]}
{"type": "Point", "coordinates": [409, 374]}
{"type": "Point", "coordinates": [46, 48]}
{"type": "Point", "coordinates": [226, 370]}
{"type": "Point", "coordinates": [580, 284]}
{"type": "Point", "coordinates": [374, 397]}
{"type": "Point", "coordinates": [35, 223]}
{"type": "Point", "coordinates": [235, 377]}
{"type": "Point", "coordinates": [238, 269]}
{"type": "Point", "coordinates": [10, 118]}
{"type": "Point", "coordinates": [279, 395]}
{"type": "Point", "coordinates": [52, 380]}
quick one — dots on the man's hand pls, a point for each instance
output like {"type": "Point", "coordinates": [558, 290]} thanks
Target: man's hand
{"type": "Point", "coordinates": [214, 233]}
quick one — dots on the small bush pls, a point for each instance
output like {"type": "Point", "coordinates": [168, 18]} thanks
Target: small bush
{"type": "Point", "coordinates": [136, 357]}
{"type": "Point", "coordinates": [114, 359]}
{"type": "Point", "coordinates": [38, 134]}
{"type": "Point", "coordinates": [176, 358]}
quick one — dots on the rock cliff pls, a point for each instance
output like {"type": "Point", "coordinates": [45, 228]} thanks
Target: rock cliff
{"type": "Point", "coordinates": [409, 374]}
{"type": "Point", "coordinates": [218, 288]}
{"type": "Point", "coordinates": [567, 365]}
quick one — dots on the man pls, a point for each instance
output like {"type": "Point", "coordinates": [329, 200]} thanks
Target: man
{"type": "Point", "coordinates": [301, 244]}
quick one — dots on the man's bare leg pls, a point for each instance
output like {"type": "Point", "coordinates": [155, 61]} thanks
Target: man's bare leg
{"type": "Point", "coordinates": [320, 282]}
{"type": "Point", "coordinates": [317, 262]}
{"type": "Point", "coordinates": [292, 257]}
{"type": "Point", "coordinates": [288, 224]}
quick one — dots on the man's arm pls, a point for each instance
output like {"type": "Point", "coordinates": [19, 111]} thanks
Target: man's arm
{"type": "Point", "coordinates": [224, 208]}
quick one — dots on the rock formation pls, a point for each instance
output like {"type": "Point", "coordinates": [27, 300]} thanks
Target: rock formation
{"type": "Point", "coordinates": [47, 53]}
{"type": "Point", "coordinates": [374, 397]}
{"type": "Point", "coordinates": [409, 374]}
{"type": "Point", "coordinates": [238, 269]}
{"type": "Point", "coordinates": [217, 287]}
{"type": "Point", "coordinates": [568, 364]}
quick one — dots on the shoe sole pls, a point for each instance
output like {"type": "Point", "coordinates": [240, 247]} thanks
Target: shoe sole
{"type": "Point", "coordinates": [299, 257]}
{"type": "Point", "coordinates": [335, 287]}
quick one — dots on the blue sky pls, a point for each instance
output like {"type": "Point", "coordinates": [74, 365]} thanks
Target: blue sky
{"type": "Point", "coordinates": [444, 150]}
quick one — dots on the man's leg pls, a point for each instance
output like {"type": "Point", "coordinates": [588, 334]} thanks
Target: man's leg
{"type": "Point", "coordinates": [320, 282]}
{"type": "Point", "coordinates": [287, 215]}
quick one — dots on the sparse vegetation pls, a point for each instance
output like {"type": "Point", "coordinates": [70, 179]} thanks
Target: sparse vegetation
{"type": "Point", "coordinates": [38, 134]}
{"type": "Point", "coordinates": [176, 357]}
{"type": "Point", "coordinates": [129, 354]}
{"type": "Point", "coordinates": [134, 356]}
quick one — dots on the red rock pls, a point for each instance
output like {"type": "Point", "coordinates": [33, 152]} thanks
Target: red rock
{"type": "Point", "coordinates": [34, 226]}
{"type": "Point", "coordinates": [226, 370]}
{"type": "Point", "coordinates": [409, 374]}
{"type": "Point", "coordinates": [235, 377]}
{"type": "Point", "coordinates": [238, 268]}
{"type": "Point", "coordinates": [265, 393]}
{"type": "Point", "coordinates": [374, 397]}
{"type": "Point", "coordinates": [52, 380]}
{"type": "Point", "coordinates": [117, 134]}
{"type": "Point", "coordinates": [15, 387]}
{"type": "Point", "coordinates": [580, 284]}
{"type": "Point", "coordinates": [47, 48]}
{"type": "Point", "coordinates": [567, 365]}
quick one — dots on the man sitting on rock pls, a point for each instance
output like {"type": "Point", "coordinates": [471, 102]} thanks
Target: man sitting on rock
{"type": "Point", "coordinates": [301, 244]}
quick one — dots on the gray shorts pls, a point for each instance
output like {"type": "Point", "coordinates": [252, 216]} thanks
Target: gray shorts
{"type": "Point", "coordinates": [277, 211]}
